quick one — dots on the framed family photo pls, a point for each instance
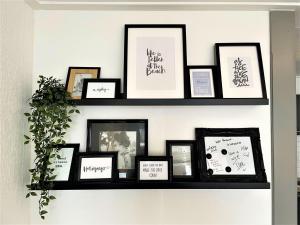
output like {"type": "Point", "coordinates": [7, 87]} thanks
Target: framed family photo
{"type": "Point", "coordinates": [230, 154]}
{"type": "Point", "coordinates": [75, 78]}
{"type": "Point", "coordinates": [241, 68]}
{"type": "Point", "coordinates": [127, 137]}
{"type": "Point", "coordinates": [154, 61]}
{"type": "Point", "coordinates": [101, 88]}
{"type": "Point", "coordinates": [203, 82]}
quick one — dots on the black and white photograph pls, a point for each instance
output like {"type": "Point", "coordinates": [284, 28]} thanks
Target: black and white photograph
{"type": "Point", "coordinates": [101, 88]}
{"type": "Point", "coordinates": [75, 78]}
{"type": "Point", "coordinates": [184, 158]}
{"type": "Point", "coordinates": [155, 60]}
{"type": "Point", "coordinates": [241, 69]}
{"type": "Point", "coordinates": [127, 137]}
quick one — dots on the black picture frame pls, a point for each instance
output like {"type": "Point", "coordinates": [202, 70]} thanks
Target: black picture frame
{"type": "Point", "coordinates": [102, 80]}
{"type": "Point", "coordinates": [215, 76]}
{"type": "Point", "coordinates": [113, 155]}
{"type": "Point", "coordinates": [67, 88]}
{"type": "Point", "coordinates": [140, 126]}
{"type": "Point", "coordinates": [259, 58]}
{"type": "Point", "coordinates": [194, 158]}
{"type": "Point", "coordinates": [253, 133]}
{"type": "Point", "coordinates": [139, 159]}
{"type": "Point", "coordinates": [161, 26]}
{"type": "Point", "coordinates": [72, 173]}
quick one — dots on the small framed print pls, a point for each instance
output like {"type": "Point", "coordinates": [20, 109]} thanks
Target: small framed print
{"type": "Point", "coordinates": [128, 137]}
{"type": "Point", "coordinates": [101, 88]}
{"type": "Point", "coordinates": [64, 166]}
{"type": "Point", "coordinates": [76, 75]}
{"type": "Point", "coordinates": [97, 167]}
{"type": "Point", "coordinates": [184, 158]}
{"type": "Point", "coordinates": [203, 82]}
{"type": "Point", "coordinates": [154, 61]}
{"type": "Point", "coordinates": [154, 169]}
{"type": "Point", "coordinates": [230, 154]}
{"type": "Point", "coordinates": [241, 69]}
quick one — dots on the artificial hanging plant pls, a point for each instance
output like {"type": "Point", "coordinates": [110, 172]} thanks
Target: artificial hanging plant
{"type": "Point", "coordinates": [49, 118]}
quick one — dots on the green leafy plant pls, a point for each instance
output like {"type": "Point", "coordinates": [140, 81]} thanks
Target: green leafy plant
{"type": "Point", "coordinates": [49, 118]}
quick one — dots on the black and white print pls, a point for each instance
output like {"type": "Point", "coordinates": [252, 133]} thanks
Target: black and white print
{"type": "Point", "coordinates": [241, 72]}
{"type": "Point", "coordinates": [78, 83]}
{"type": "Point", "coordinates": [182, 164]}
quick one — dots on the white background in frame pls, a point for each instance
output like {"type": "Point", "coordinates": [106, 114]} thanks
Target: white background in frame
{"type": "Point", "coordinates": [96, 168]}
{"type": "Point", "coordinates": [201, 83]}
{"type": "Point", "coordinates": [101, 90]}
{"type": "Point", "coordinates": [166, 66]}
{"type": "Point", "coordinates": [154, 170]}
{"type": "Point", "coordinates": [238, 157]}
{"type": "Point", "coordinates": [240, 72]}
{"type": "Point", "coordinates": [182, 165]}
{"type": "Point", "coordinates": [62, 166]}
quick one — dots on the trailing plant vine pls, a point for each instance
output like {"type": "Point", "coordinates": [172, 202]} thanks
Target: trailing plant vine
{"type": "Point", "coordinates": [49, 118]}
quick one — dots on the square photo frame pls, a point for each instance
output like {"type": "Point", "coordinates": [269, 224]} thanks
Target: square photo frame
{"type": "Point", "coordinates": [129, 137]}
{"type": "Point", "coordinates": [184, 159]}
{"type": "Point", "coordinates": [203, 82]}
{"type": "Point", "coordinates": [241, 70]}
{"type": "Point", "coordinates": [154, 61]}
{"type": "Point", "coordinates": [101, 88]}
{"type": "Point", "coordinates": [75, 78]}
{"type": "Point", "coordinates": [230, 155]}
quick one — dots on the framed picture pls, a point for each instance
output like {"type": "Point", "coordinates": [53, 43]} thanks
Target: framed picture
{"type": "Point", "coordinates": [204, 82]}
{"type": "Point", "coordinates": [241, 68]}
{"type": "Point", "coordinates": [97, 166]}
{"type": "Point", "coordinates": [230, 154]}
{"type": "Point", "coordinates": [184, 158]}
{"type": "Point", "coordinates": [76, 75]}
{"type": "Point", "coordinates": [154, 61]}
{"type": "Point", "coordinates": [154, 169]}
{"type": "Point", "coordinates": [101, 88]}
{"type": "Point", "coordinates": [128, 137]}
{"type": "Point", "coordinates": [64, 166]}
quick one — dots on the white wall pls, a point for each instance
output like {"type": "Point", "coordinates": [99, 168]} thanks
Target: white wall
{"type": "Point", "coordinates": [95, 38]}
{"type": "Point", "coordinates": [16, 33]}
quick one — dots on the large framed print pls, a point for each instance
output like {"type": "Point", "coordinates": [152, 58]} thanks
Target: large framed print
{"type": "Point", "coordinates": [128, 137]}
{"type": "Point", "coordinates": [230, 154]}
{"type": "Point", "coordinates": [241, 69]}
{"type": "Point", "coordinates": [154, 61]}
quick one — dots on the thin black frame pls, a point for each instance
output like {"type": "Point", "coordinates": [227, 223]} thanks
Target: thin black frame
{"type": "Point", "coordinates": [253, 133]}
{"type": "Point", "coordinates": [259, 58]}
{"type": "Point", "coordinates": [138, 159]}
{"type": "Point", "coordinates": [194, 159]}
{"type": "Point", "coordinates": [72, 174]}
{"type": "Point", "coordinates": [101, 80]}
{"type": "Point", "coordinates": [113, 155]}
{"type": "Point", "coordinates": [83, 68]}
{"type": "Point", "coordinates": [89, 144]}
{"type": "Point", "coordinates": [215, 77]}
{"type": "Point", "coordinates": [184, 48]}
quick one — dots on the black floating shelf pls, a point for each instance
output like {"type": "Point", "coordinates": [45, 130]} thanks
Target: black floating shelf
{"type": "Point", "coordinates": [174, 102]}
{"type": "Point", "coordinates": [173, 185]}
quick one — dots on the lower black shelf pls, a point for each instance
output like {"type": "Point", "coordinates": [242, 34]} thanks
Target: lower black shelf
{"type": "Point", "coordinates": [173, 185]}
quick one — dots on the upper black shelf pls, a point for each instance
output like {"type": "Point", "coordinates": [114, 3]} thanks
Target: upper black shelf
{"type": "Point", "coordinates": [173, 102]}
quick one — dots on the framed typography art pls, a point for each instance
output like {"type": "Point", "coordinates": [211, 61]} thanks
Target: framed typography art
{"type": "Point", "coordinates": [230, 154]}
{"type": "Point", "coordinates": [241, 69]}
{"type": "Point", "coordinates": [154, 61]}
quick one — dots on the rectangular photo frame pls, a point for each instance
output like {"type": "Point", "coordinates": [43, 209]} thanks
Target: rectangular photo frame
{"type": "Point", "coordinates": [230, 155]}
{"type": "Point", "coordinates": [129, 137]}
{"type": "Point", "coordinates": [97, 167]}
{"type": "Point", "coordinates": [154, 169]}
{"type": "Point", "coordinates": [101, 88]}
{"type": "Point", "coordinates": [185, 159]}
{"type": "Point", "coordinates": [241, 70]}
{"type": "Point", "coordinates": [154, 61]}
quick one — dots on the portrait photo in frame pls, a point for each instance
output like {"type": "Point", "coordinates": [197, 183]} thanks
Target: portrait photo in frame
{"type": "Point", "coordinates": [127, 137]}
{"type": "Point", "coordinates": [241, 70]}
{"type": "Point", "coordinates": [230, 155]}
{"type": "Point", "coordinates": [154, 61]}
{"type": "Point", "coordinates": [75, 78]}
